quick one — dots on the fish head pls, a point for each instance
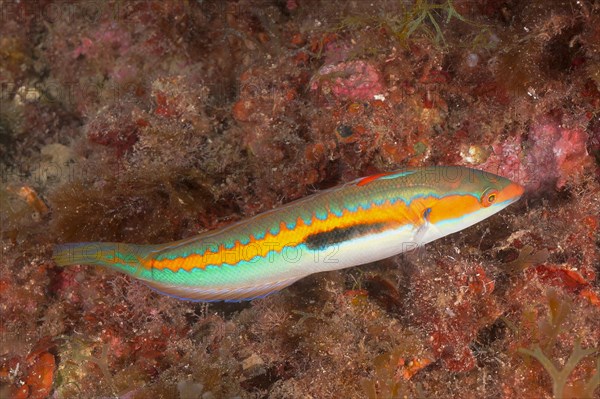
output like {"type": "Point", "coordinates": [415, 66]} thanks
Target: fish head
{"type": "Point", "coordinates": [462, 197]}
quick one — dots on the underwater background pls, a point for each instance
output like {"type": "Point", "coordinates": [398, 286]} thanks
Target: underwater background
{"type": "Point", "coordinates": [151, 121]}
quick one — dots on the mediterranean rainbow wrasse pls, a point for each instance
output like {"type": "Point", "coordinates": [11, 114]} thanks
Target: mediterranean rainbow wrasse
{"type": "Point", "coordinates": [362, 221]}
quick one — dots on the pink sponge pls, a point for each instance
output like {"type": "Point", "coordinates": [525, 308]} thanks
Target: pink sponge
{"type": "Point", "coordinates": [552, 152]}
{"type": "Point", "coordinates": [557, 152]}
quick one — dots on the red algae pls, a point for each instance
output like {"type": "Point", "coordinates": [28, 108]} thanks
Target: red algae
{"type": "Point", "coordinates": [453, 317]}
{"type": "Point", "coordinates": [150, 121]}
{"type": "Point", "coordinates": [36, 375]}
{"type": "Point", "coordinates": [354, 80]}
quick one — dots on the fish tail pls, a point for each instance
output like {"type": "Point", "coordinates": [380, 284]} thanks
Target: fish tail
{"type": "Point", "coordinates": [125, 257]}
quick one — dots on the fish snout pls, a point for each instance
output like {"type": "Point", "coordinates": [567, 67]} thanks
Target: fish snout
{"type": "Point", "coordinates": [512, 192]}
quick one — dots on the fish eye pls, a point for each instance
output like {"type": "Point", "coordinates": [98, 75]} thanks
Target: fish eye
{"type": "Point", "coordinates": [489, 197]}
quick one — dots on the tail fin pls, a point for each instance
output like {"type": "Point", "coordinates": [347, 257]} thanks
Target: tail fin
{"type": "Point", "coordinates": [125, 257]}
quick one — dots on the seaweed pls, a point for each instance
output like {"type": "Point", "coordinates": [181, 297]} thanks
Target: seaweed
{"type": "Point", "coordinates": [423, 16]}
{"type": "Point", "coordinates": [394, 369]}
{"type": "Point", "coordinates": [560, 377]}
{"type": "Point", "coordinates": [385, 378]}
{"type": "Point", "coordinates": [423, 11]}
{"type": "Point", "coordinates": [526, 258]}
{"type": "Point", "coordinates": [547, 332]}
{"type": "Point", "coordinates": [549, 328]}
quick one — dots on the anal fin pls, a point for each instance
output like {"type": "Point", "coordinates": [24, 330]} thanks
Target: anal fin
{"type": "Point", "coordinates": [216, 294]}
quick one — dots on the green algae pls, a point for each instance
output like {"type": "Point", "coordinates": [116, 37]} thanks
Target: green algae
{"type": "Point", "coordinates": [560, 377]}
{"type": "Point", "coordinates": [547, 334]}
{"type": "Point", "coordinates": [423, 17]}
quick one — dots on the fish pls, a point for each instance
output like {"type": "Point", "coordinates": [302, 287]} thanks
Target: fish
{"type": "Point", "coordinates": [359, 222]}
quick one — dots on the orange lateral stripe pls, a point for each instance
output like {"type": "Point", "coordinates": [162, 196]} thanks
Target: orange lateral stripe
{"type": "Point", "coordinates": [394, 215]}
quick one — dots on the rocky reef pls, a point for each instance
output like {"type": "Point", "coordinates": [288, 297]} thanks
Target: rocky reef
{"type": "Point", "coordinates": [150, 121]}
